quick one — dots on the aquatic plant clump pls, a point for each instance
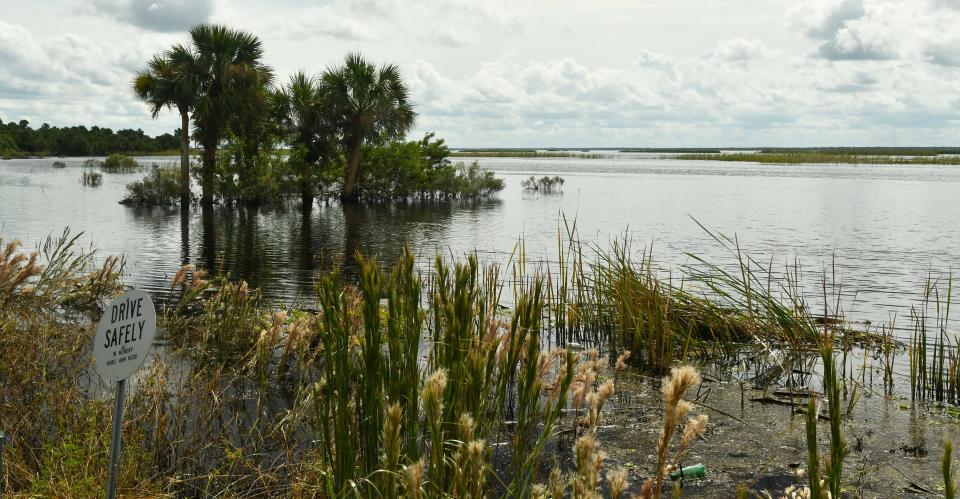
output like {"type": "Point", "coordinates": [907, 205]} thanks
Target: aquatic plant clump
{"type": "Point", "coordinates": [161, 187]}
{"type": "Point", "coordinates": [91, 179]}
{"type": "Point", "coordinates": [546, 185]}
{"type": "Point", "coordinates": [472, 182]}
{"type": "Point", "coordinates": [59, 164]}
{"type": "Point", "coordinates": [421, 171]}
{"type": "Point", "coordinates": [118, 163]}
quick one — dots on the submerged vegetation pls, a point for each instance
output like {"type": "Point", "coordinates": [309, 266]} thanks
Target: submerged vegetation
{"type": "Point", "coordinates": [91, 179]}
{"type": "Point", "coordinates": [545, 185]}
{"type": "Point", "coordinates": [160, 187]}
{"type": "Point", "coordinates": [421, 170]}
{"type": "Point", "coordinates": [119, 163]}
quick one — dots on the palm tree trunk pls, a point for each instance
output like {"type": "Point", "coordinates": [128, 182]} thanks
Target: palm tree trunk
{"type": "Point", "coordinates": [307, 198]}
{"type": "Point", "coordinates": [184, 157]}
{"type": "Point", "coordinates": [350, 194]}
{"type": "Point", "coordinates": [209, 168]}
{"type": "Point", "coordinates": [306, 184]}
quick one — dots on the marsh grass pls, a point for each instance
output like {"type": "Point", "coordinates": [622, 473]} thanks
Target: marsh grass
{"type": "Point", "coordinates": [618, 298]}
{"type": "Point", "coordinates": [524, 153]}
{"type": "Point", "coordinates": [826, 157]}
{"type": "Point", "coordinates": [934, 373]}
{"type": "Point", "coordinates": [342, 398]}
{"type": "Point", "coordinates": [119, 163]}
{"type": "Point", "coordinates": [91, 179]}
{"type": "Point", "coordinates": [43, 353]}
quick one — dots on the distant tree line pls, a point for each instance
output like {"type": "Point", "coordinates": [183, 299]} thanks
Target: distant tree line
{"type": "Point", "coordinates": [20, 139]}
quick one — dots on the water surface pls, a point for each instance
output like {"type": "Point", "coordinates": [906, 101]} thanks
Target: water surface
{"type": "Point", "coordinates": [886, 228]}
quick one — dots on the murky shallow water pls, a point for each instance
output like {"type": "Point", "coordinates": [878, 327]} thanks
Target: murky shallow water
{"type": "Point", "coordinates": [886, 226]}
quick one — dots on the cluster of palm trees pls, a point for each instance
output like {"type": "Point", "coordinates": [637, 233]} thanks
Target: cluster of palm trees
{"type": "Point", "coordinates": [218, 81]}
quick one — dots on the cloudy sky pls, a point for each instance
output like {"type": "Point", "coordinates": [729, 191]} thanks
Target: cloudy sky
{"type": "Point", "coordinates": [543, 73]}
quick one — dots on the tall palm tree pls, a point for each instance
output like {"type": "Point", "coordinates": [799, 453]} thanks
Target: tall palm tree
{"type": "Point", "coordinates": [161, 85]}
{"type": "Point", "coordinates": [365, 103]}
{"type": "Point", "coordinates": [226, 64]}
{"type": "Point", "coordinates": [299, 108]}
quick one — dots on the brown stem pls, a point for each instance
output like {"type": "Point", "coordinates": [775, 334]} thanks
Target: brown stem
{"type": "Point", "coordinates": [184, 157]}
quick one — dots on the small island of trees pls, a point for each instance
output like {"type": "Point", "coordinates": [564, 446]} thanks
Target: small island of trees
{"type": "Point", "coordinates": [339, 133]}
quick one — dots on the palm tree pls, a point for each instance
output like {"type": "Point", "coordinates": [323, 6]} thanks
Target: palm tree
{"type": "Point", "coordinates": [161, 86]}
{"type": "Point", "coordinates": [226, 64]}
{"type": "Point", "coordinates": [365, 103]}
{"type": "Point", "coordinates": [299, 107]}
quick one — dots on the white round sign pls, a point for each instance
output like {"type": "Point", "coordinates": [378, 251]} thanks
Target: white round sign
{"type": "Point", "coordinates": [124, 335]}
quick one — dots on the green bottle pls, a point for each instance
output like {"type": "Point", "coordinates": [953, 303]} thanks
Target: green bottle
{"type": "Point", "coordinates": [689, 472]}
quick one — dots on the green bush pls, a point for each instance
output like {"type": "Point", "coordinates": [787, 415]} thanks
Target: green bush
{"type": "Point", "coordinates": [472, 182]}
{"type": "Point", "coordinates": [255, 179]}
{"type": "Point", "coordinates": [421, 170]}
{"type": "Point", "coordinates": [118, 163]}
{"type": "Point", "coordinates": [160, 187]}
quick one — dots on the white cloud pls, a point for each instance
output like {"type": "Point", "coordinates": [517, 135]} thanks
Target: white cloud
{"type": "Point", "coordinates": [449, 38]}
{"type": "Point", "coordinates": [67, 79]}
{"type": "Point", "coordinates": [155, 15]}
{"type": "Point", "coordinates": [823, 19]}
{"type": "Point", "coordinates": [864, 30]}
{"type": "Point", "coordinates": [323, 22]}
{"type": "Point", "coordinates": [661, 100]}
{"type": "Point", "coordinates": [738, 49]}
{"type": "Point", "coordinates": [945, 53]}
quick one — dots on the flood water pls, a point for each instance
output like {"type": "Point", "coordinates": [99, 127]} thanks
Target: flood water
{"type": "Point", "coordinates": [886, 228]}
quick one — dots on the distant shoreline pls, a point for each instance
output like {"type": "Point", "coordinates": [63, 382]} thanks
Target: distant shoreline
{"type": "Point", "coordinates": [839, 155]}
{"type": "Point", "coordinates": [45, 155]}
{"type": "Point", "coordinates": [794, 158]}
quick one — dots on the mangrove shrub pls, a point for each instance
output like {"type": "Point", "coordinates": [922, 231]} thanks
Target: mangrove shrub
{"type": "Point", "coordinates": [160, 187]}
{"type": "Point", "coordinates": [421, 170]}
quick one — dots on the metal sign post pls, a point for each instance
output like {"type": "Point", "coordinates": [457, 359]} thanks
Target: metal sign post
{"type": "Point", "coordinates": [123, 339]}
{"type": "Point", "coordinates": [121, 395]}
